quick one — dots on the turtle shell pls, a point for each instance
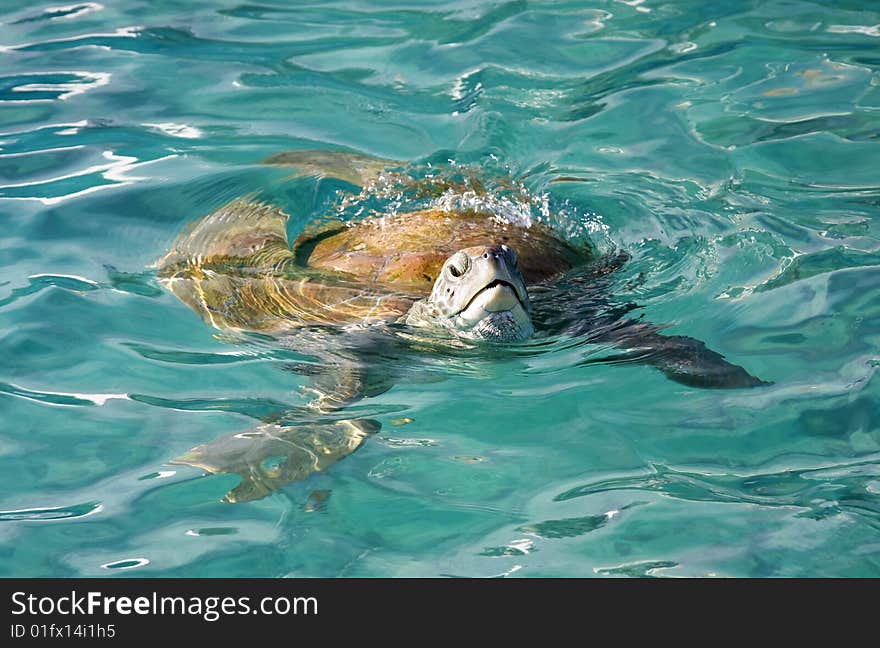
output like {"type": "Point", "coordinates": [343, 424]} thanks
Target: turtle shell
{"type": "Point", "coordinates": [406, 251]}
{"type": "Point", "coordinates": [235, 268]}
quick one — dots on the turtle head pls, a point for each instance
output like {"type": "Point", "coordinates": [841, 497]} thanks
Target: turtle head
{"type": "Point", "coordinates": [479, 294]}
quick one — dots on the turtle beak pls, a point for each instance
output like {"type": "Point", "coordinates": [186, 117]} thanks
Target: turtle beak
{"type": "Point", "coordinates": [498, 284]}
{"type": "Point", "coordinates": [480, 294]}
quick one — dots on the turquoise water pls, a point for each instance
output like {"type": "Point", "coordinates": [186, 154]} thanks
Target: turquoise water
{"type": "Point", "coordinates": [730, 148]}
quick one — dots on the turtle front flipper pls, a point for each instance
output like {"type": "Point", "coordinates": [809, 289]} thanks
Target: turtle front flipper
{"type": "Point", "coordinates": [300, 441]}
{"type": "Point", "coordinates": [337, 386]}
{"type": "Point", "coordinates": [354, 168]}
{"type": "Point", "coordinates": [578, 305]}
{"type": "Point", "coordinates": [683, 359]}
{"type": "Point", "coordinates": [346, 364]}
{"type": "Point", "coordinates": [271, 456]}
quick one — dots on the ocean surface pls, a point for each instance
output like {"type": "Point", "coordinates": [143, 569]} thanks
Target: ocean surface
{"type": "Point", "coordinates": [731, 149]}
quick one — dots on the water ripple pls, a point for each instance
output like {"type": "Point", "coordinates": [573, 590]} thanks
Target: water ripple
{"type": "Point", "coordinates": [58, 398]}
{"type": "Point", "coordinates": [142, 284]}
{"type": "Point", "coordinates": [48, 514]}
{"type": "Point", "coordinates": [49, 86]}
{"type": "Point", "coordinates": [175, 356]}
{"type": "Point", "coordinates": [807, 488]}
{"type": "Point", "coordinates": [643, 569]}
{"type": "Point", "coordinates": [62, 13]}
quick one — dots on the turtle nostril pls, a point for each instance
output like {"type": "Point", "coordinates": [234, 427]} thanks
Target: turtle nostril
{"type": "Point", "coordinates": [485, 255]}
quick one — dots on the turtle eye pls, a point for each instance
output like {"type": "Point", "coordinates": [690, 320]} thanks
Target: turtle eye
{"type": "Point", "coordinates": [458, 265]}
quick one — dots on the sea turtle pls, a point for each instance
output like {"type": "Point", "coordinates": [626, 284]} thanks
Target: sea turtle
{"type": "Point", "coordinates": [353, 294]}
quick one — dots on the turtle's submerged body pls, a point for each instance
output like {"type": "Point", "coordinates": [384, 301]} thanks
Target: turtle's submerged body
{"type": "Point", "coordinates": [455, 275]}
